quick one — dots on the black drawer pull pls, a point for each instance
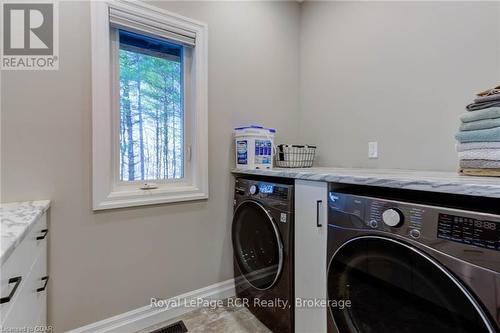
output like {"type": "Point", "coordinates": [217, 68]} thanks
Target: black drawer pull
{"type": "Point", "coordinates": [319, 205]}
{"type": "Point", "coordinates": [46, 279]}
{"type": "Point", "coordinates": [45, 232]}
{"type": "Point", "coordinates": [17, 281]}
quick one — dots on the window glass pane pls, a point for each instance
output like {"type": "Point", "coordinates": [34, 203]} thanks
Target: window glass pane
{"type": "Point", "coordinates": [151, 109]}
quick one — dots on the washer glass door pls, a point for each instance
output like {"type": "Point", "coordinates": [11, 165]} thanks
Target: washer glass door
{"type": "Point", "coordinates": [396, 288]}
{"type": "Point", "coordinates": [257, 245]}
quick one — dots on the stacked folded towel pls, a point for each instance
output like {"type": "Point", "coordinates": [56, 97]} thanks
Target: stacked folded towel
{"type": "Point", "coordinates": [479, 136]}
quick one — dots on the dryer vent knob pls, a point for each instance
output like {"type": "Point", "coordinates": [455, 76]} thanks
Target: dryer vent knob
{"type": "Point", "coordinates": [393, 217]}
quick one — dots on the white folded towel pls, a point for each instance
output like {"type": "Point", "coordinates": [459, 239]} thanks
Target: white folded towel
{"type": "Point", "coordinates": [480, 154]}
{"type": "Point", "coordinates": [477, 145]}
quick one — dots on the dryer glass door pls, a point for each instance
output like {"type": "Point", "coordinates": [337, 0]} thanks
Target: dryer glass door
{"type": "Point", "coordinates": [396, 288]}
{"type": "Point", "coordinates": [257, 245]}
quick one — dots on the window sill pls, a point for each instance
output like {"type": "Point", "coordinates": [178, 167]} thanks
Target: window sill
{"type": "Point", "coordinates": [134, 198]}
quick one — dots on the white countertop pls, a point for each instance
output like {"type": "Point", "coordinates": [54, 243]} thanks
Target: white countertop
{"type": "Point", "coordinates": [17, 219]}
{"type": "Point", "coordinates": [432, 181]}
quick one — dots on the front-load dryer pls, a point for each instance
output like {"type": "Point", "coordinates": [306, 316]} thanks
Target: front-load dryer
{"type": "Point", "coordinates": [410, 268]}
{"type": "Point", "coordinates": [262, 237]}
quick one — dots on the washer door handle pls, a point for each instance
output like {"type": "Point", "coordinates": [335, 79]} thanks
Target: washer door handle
{"type": "Point", "coordinates": [319, 206]}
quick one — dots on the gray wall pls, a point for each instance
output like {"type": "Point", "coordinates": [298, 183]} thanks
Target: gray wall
{"type": "Point", "coordinates": [399, 73]}
{"type": "Point", "coordinates": [107, 263]}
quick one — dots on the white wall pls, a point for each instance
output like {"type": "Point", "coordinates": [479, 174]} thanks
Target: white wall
{"type": "Point", "coordinates": [106, 263]}
{"type": "Point", "coordinates": [399, 73]}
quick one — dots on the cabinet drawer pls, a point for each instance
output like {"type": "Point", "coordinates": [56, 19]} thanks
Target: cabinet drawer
{"type": "Point", "coordinates": [42, 315]}
{"type": "Point", "coordinates": [40, 277]}
{"type": "Point", "coordinates": [20, 263]}
{"type": "Point", "coordinates": [41, 237]}
{"type": "Point", "coordinates": [27, 306]}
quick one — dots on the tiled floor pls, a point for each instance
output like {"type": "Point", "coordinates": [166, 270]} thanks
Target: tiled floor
{"type": "Point", "coordinates": [221, 319]}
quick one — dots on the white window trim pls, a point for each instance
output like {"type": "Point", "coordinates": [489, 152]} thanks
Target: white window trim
{"type": "Point", "coordinates": [106, 194]}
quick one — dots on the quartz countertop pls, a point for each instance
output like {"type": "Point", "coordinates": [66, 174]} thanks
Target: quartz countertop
{"type": "Point", "coordinates": [17, 219]}
{"type": "Point", "coordinates": [432, 181]}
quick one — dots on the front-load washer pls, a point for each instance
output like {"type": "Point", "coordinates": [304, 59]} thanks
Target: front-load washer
{"type": "Point", "coordinates": [262, 237]}
{"type": "Point", "coordinates": [409, 267]}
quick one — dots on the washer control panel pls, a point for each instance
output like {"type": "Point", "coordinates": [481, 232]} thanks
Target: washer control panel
{"type": "Point", "coordinates": [414, 221]}
{"type": "Point", "coordinates": [468, 235]}
{"type": "Point", "coordinates": [262, 190]}
{"type": "Point", "coordinates": [389, 216]}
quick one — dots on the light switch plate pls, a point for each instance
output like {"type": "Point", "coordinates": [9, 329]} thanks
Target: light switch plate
{"type": "Point", "coordinates": [373, 149]}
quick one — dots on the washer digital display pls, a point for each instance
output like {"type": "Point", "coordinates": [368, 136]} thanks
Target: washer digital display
{"type": "Point", "coordinates": [469, 231]}
{"type": "Point", "coordinates": [266, 188]}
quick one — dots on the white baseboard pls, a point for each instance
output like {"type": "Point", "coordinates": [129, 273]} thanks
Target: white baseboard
{"type": "Point", "coordinates": [146, 316]}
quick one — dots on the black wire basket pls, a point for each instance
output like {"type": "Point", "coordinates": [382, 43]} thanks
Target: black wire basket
{"type": "Point", "coordinates": [294, 156]}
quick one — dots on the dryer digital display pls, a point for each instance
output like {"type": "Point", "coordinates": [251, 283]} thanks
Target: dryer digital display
{"type": "Point", "coordinates": [469, 231]}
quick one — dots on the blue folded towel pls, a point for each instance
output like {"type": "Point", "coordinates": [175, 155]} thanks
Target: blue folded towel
{"type": "Point", "coordinates": [480, 124]}
{"type": "Point", "coordinates": [488, 113]}
{"type": "Point", "coordinates": [487, 135]}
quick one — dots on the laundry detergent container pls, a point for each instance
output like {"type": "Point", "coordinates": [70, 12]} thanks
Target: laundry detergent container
{"type": "Point", "coordinates": [254, 147]}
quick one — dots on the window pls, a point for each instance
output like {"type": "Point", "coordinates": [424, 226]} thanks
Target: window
{"type": "Point", "coordinates": [149, 112]}
{"type": "Point", "coordinates": [151, 109]}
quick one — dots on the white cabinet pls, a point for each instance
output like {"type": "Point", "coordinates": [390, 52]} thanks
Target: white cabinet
{"type": "Point", "coordinates": [26, 271]}
{"type": "Point", "coordinates": [310, 254]}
